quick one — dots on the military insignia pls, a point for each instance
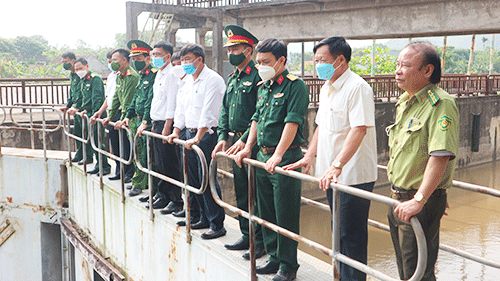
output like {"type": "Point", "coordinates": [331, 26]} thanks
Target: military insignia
{"type": "Point", "coordinates": [433, 97]}
{"type": "Point", "coordinates": [444, 123]}
{"type": "Point", "coordinates": [146, 72]}
{"type": "Point", "coordinates": [146, 82]}
{"type": "Point", "coordinates": [230, 74]}
{"type": "Point", "coordinates": [292, 77]}
{"type": "Point", "coordinates": [154, 70]}
{"type": "Point", "coordinates": [260, 83]}
{"type": "Point", "coordinates": [280, 80]}
{"type": "Point", "coordinates": [248, 70]}
{"type": "Point", "coordinates": [247, 83]}
{"type": "Point", "coordinates": [256, 66]}
{"type": "Point", "coordinates": [128, 72]}
{"type": "Point", "coordinates": [88, 77]}
{"type": "Point", "coordinates": [134, 45]}
{"type": "Point", "coordinates": [230, 33]}
{"type": "Point", "coordinates": [88, 85]}
{"type": "Point", "coordinates": [278, 95]}
{"type": "Point", "coordinates": [93, 75]}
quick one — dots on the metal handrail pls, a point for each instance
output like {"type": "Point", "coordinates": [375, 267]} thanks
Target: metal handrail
{"type": "Point", "coordinates": [447, 248]}
{"type": "Point", "coordinates": [335, 252]}
{"type": "Point", "coordinates": [77, 138]}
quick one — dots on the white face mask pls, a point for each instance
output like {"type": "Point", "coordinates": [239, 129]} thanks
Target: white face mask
{"type": "Point", "coordinates": [267, 72]}
{"type": "Point", "coordinates": [81, 73]}
{"type": "Point", "coordinates": [178, 71]}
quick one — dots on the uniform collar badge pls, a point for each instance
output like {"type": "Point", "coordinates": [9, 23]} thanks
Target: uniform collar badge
{"type": "Point", "coordinates": [280, 79]}
{"type": "Point", "coordinates": [247, 83]}
{"type": "Point", "coordinates": [278, 95]}
{"type": "Point", "coordinates": [248, 70]}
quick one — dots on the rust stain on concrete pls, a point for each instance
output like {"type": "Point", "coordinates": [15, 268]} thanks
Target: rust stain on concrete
{"type": "Point", "coordinates": [9, 199]}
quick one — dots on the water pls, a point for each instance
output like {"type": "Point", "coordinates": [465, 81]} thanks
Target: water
{"type": "Point", "coordinates": [472, 224]}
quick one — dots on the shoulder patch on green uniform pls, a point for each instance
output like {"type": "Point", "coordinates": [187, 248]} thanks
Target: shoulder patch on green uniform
{"type": "Point", "coordinates": [256, 66]}
{"type": "Point", "coordinates": [444, 123]}
{"type": "Point", "coordinates": [433, 97]}
{"type": "Point", "coordinates": [154, 70]}
{"type": "Point", "coordinates": [292, 77]}
{"type": "Point", "coordinates": [93, 75]}
{"type": "Point", "coordinates": [128, 72]}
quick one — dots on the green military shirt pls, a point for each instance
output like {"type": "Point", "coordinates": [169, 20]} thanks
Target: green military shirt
{"type": "Point", "coordinates": [239, 102]}
{"type": "Point", "coordinates": [284, 100]}
{"type": "Point", "coordinates": [74, 90]}
{"type": "Point", "coordinates": [141, 103]}
{"type": "Point", "coordinates": [426, 124]}
{"type": "Point", "coordinates": [126, 83]}
{"type": "Point", "coordinates": [92, 89]}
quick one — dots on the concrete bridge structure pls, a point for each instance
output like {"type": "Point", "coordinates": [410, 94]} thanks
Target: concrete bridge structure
{"type": "Point", "coordinates": [303, 20]}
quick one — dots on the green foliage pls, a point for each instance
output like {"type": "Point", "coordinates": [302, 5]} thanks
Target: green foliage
{"type": "Point", "coordinates": [10, 67]}
{"type": "Point", "coordinates": [361, 63]}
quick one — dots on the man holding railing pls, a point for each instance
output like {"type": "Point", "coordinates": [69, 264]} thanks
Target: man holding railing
{"type": "Point", "coordinates": [277, 128]}
{"type": "Point", "coordinates": [423, 145]}
{"type": "Point", "coordinates": [345, 144]}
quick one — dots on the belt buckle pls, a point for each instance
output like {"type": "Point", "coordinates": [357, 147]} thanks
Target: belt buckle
{"type": "Point", "coordinates": [264, 149]}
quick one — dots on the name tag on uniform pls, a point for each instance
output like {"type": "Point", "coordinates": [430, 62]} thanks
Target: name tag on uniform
{"type": "Point", "coordinates": [278, 95]}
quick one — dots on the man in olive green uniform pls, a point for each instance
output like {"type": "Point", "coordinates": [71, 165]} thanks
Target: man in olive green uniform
{"type": "Point", "coordinates": [126, 83]}
{"type": "Point", "coordinates": [423, 145]}
{"type": "Point", "coordinates": [137, 118]}
{"type": "Point", "coordinates": [277, 128]}
{"type": "Point", "coordinates": [92, 93]}
{"type": "Point", "coordinates": [238, 107]}
{"type": "Point", "coordinates": [74, 95]}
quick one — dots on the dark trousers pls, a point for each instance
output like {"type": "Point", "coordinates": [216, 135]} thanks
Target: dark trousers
{"type": "Point", "coordinates": [209, 210]}
{"type": "Point", "coordinates": [90, 150]}
{"type": "Point", "coordinates": [353, 229]}
{"type": "Point", "coordinates": [241, 191]}
{"type": "Point", "coordinates": [167, 164]}
{"type": "Point", "coordinates": [114, 139]}
{"type": "Point", "coordinates": [278, 202]}
{"type": "Point", "coordinates": [405, 243]}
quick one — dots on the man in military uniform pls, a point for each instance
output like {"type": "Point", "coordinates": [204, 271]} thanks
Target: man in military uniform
{"type": "Point", "coordinates": [68, 60]}
{"type": "Point", "coordinates": [277, 128]}
{"type": "Point", "coordinates": [126, 83]}
{"type": "Point", "coordinates": [92, 92]}
{"type": "Point", "coordinates": [423, 145]}
{"type": "Point", "coordinates": [137, 118]}
{"type": "Point", "coordinates": [238, 107]}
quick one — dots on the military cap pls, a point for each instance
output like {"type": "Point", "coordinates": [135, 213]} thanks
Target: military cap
{"type": "Point", "coordinates": [138, 47]}
{"type": "Point", "coordinates": [238, 35]}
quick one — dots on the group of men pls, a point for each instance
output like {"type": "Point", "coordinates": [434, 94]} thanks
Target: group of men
{"type": "Point", "coordinates": [264, 107]}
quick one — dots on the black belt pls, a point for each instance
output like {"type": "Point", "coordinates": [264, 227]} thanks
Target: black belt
{"type": "Point", "coordinates": [157, 122]}
{"type": "Point", "coordinates": [238, 134]}
{"type": "Point", "coordinates": [399, 193]}
{"type": "Point", "coordinates": [195, 130]}
{"type": "Point", "coordinates": [272, 149]}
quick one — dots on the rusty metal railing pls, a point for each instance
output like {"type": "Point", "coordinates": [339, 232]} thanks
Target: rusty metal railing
{"type": "Point", "coordinates": [335, 252]}
{"type": "Point", "coordinates": [100, 151]}
{"type": "Point", "coordinates": [84, 139]}
{"type": "Point", "coordinates": [32, 126]}
{"type": "Point", "coordinates": [447, 248]}
{"type": "Point", "coordinates": [184, 185]}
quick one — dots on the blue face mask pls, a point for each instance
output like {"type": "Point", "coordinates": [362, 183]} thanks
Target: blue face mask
{"type": "Point", "coordinates": [189, 68]}
{"type": "Point", "coordinates": [158, 62]}
{"type": "Point", "coordinates": [325, 70]}
{"type": "Point", "coordinates": [110, 68]}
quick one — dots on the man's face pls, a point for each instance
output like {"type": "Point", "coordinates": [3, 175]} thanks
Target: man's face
{"type": "Point", "coordinates": [67, 60]}
{"type": "Point", "coordinates": [79, 66]}
{"type": "Point", "coordinates": [411, 74]}
{"type": "Point", "coordinates": [189, 58]}
{"type": "Point", "coordinates": [140, 58]}
{"type": "Point", "coordinates": [236, 49]}
{"type": "Point", "coordinates": [116, 57]}
{"type": "Point", "coordinates": [267, 59]}
{"type": "Point", "coordinates": [323, 55]}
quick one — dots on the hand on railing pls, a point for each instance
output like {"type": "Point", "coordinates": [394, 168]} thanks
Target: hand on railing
{"type": "Point", "coordinates": [220, 147]}
{"type": "Point", "coordinates": [245, 153]}
{"type": "Point", "coordinates": [173, 136]}
{"type": "Point", "coordinates": [235, 148]}
{"type": "Point", "coordinates": [305, 163]}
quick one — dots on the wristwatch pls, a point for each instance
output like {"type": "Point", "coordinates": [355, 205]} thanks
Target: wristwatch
{"type": "Point", "coordinates": [419, 197]}
{"type": "Point", "coordinates": [338, 165]}
{"type": "Point", "coordinates": [196, 140]}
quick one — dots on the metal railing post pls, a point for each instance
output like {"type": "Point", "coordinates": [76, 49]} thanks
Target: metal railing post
{"type": "Point", "coordinates": [336, 232]}
{"type": "Point", "coordinates": [43, 136]}
{"type": "Point", "coordinates": [150, 177]}
{"type": "Point", "coordinates": [122, 173]}
{"type": "Point", "coordinates": [84, 147]}
{"type": "Point", "coordinates": [99, 155]}
{"type": "Point", "coordinates": [185, 164]}
{"type": "Point", "coordinates": [251, 204]}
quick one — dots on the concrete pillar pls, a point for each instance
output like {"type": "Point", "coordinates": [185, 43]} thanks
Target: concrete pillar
{"type": "Point", "coordinates": [200, 36]}
{"type": "Point", "coordinates": [217, 49]}
{"type": "Point", "coordinates": [132, 12]}
{"type": "Point", "coordinates": [170, 36]}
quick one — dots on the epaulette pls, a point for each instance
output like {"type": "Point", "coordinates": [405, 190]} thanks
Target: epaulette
{"type": "Point", "coordinates": [154, 70]}
{"type": "Point", "coordinates": [292, 77]}
{"type": "Point", "coordinates": [128, 72]}
{"type": "Point", "coordinates": [93, 75]}
{"type": "Point", "coordinates": [257, 66]}
{"type": "Point", "coordinates": [230, 74]}
{"type": "Point", "coordinates": [260, 83]}
{"type": "Point", "coordinates": [433, 97]}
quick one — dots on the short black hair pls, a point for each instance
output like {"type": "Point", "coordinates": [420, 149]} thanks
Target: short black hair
{"type": "Point", "coordinates": [196, 49]}
{"type": "Point", "coordinates": [176, 56]}
{"type": "Point", "coordinates": [276, 47]}
{"type": "Point", "coordinates": [82, 61]}
{"type": "Point", "coordinates": [165, 46]}
{"type": "Point", "coordinates": [337, 46]}
{"type": "Point", "coordinates": [109, 54]}
{"type": "Point", "coordinates": [69, 55]}
{"type": "Point", "coordinates": [431, 56]}
{"type": "Point", "coordinates": [123, 52]}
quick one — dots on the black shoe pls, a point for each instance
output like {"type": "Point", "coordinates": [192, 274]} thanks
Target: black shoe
{"type": "Point", "coordinates": [114, 178]}
{"type": "Point", "coordinates": [180, 214]}
{"type": "Point", "coordinates": [200, 225]}
{"type": "Point", "coordinates": [134, 192]}
{"type": "Point", "coordinates": [285, 276]}
{"type": "Point", "coordinates": [81, 162]}
{"type": "Point", "coordinates": [129, 187]}
{"type": "Point", "coordinates": [92, 172]}
{"type": "Point", "coordinates": [171, 207]}
{"type": "Point", "coordinates": [194, 220]}
{"type": "Point", "coordinates": [259, 252]}
{"type": "Point", "coordinates": [104, 173]}
{"type": "Point", "coordinates": [146, 198]}
{"type": "Point", "coordinates": [76, 160]}
{"type": "Point", "coordinates": [268, 268]}
{"type": "Point", "coordinates": [241, 244]}
{"type": "Point", "coordinates": [159, 203]}
{"type": "Point", "coordinates": [211, 234]}
{"type": "Point", "coordinates": [127, 179]}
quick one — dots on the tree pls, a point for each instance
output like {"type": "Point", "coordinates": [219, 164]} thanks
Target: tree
{"type": "Point", "coordinates": [31, 48]}
{"type": "Point", "coordinates": [384, 63]}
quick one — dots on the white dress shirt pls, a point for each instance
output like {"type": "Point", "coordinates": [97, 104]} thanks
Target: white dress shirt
{"type": "Point", "coordinates": [199, 101]}
{"type": "Point", "coordinates": [110, 87]}
{"type": "Point", "coordinates": [164, 95]}
{"type": "Point", "coordinates": [345, 104]}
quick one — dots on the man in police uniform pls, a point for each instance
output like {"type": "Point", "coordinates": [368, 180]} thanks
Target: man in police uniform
{"type": "Point", "coordinates": [423, 145]}
{"type": "Point", "coordinates": [237, 110]}
{"type": "Point", "coordinates": [126, 83]}
{"type": "Point", "coordinates": [92, 92]}
{"type": "Point", "coordinates": [137, 117]}
{"type": "Point", "coordinates": [277, 128]}
{"type": "Point", "coordinates": [68, 60]}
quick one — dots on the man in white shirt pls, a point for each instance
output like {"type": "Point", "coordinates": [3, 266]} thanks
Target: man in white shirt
{"type": "Point", "coordinates": [198, 110]}
{"type": "Point", "coordinates": [345, 143]}
{"type": "Point", "coordinates": [162, 113]}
